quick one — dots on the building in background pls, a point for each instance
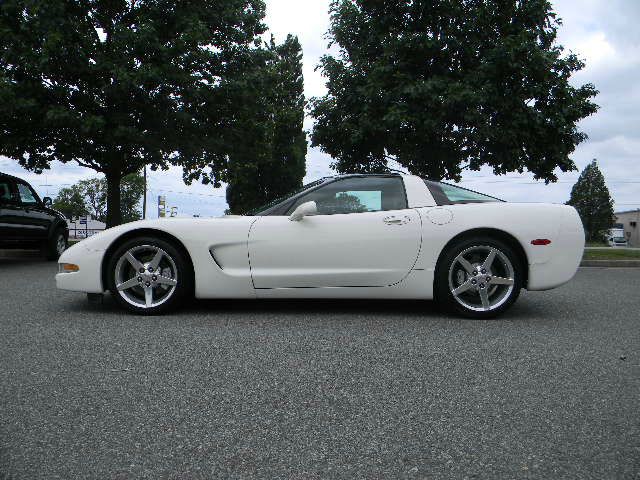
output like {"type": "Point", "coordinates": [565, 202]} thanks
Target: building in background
{"type": "Point", "coordinates": [83, 227]}
{"type": "Point", "coordinates": [629, 221]}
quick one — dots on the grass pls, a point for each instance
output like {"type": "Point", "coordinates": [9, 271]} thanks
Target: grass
{"type": "Point", "coordinates": [598, 244]}
{"type": "Point", "coordinates": [611, 254]}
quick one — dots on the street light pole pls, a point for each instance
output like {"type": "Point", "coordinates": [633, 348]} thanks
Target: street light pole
{"type": "Point", "coordinates": [144, 198]}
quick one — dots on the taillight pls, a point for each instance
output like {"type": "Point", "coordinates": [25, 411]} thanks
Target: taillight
{"type": "Point", "coordinates": [540, 241]}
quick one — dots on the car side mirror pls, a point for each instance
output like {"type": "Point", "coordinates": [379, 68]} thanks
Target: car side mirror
{"type": "Point", "coordinates": [47, 202]}
{"type": "Point", "coordinates": [303, 210]}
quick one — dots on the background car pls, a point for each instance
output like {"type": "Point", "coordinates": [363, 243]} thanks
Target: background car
{"type": "Point", "coordinates": [350, 236]}
{"type": "Point", "coordinates": [26, 222]}
{"type": "Point", "coordinates": [615, 237]}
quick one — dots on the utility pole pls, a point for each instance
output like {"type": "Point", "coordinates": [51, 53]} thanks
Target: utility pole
{"type": "Point", "coordinates": [144, 198]}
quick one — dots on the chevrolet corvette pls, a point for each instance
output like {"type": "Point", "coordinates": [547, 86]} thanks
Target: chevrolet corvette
{"type": "Point", "coordinates": [392, 236]}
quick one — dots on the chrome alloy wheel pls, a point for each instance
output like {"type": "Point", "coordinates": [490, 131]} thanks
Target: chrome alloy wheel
{"type": "Point", "coordinates": [146, 276]}
{"type": "Point", "coordinates": [481, 278]}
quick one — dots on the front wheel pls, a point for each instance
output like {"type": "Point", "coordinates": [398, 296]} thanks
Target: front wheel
{"type": "Point", "coordinates": [149, 276]}
{"type": "Point", "coordinates": [478, 278]}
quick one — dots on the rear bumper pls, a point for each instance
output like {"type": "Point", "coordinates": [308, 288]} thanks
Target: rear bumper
{"type": "Point", "coordinates": [565, 256]}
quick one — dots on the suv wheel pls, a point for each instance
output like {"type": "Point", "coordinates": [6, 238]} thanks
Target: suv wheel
{"type": "Point", "coordinates": [56, 245]}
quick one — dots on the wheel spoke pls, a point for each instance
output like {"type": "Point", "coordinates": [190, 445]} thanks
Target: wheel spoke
{"type": "Point", "coordinates": [161, 279]}
{"type": "Point", "coordinates": [156, 259]}
{"type": "Point", "coordinates": [128, 284]}
{"type": "Point", "coordinates": [484, 296]}
{"type": "Point", "coordinates": [465, 264]}
{"type": "Point", "coordinates": [501, 281]}
{"type": "Point", "coordinates": [489, 260]}
{"type": "Point", "coordinates": [134, 261]}
{"type": "Point", "coordinates": [148, 296]}
{"type": "Point", "coordinates": [462, 288]}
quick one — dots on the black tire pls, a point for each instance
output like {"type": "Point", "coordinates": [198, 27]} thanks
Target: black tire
{"type": "Point", "coordinates": [452, 276]}
{"type": "Point", "coordinates": [133, 298]}
{"type": "Point", "coordinates": [56, 245]}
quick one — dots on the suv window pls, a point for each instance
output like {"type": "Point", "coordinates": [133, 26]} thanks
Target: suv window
{"type": "Point", "coordinates": [5, 191]}
{"type": "Point", "coordinates": [357, 195]}
{"type": "Point", "coordinates": [26, 194]}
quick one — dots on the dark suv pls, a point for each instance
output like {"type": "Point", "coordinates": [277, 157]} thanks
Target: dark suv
{"type": "Point", "coordinates": [27, 222]}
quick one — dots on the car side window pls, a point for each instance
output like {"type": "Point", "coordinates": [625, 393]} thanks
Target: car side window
{"type": "Point", "coordinates": [357, 195]}
{"type": "Point", "coordinates": [5, 191]}
{"type": "Point", "coordinates": [27, 196]}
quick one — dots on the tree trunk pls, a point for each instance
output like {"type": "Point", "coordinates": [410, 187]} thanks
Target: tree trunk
{"type": "Point", "coordinates": [114, 215]}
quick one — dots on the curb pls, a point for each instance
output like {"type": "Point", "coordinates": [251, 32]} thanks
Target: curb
{"type": "Point", "coordinates": [610, 263]}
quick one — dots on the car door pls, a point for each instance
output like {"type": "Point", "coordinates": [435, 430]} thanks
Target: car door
{"type": "Point", "coordinates": [363, 235]}
{"type": "Point", "coordinates": [33, 219]}
{"type": "Point", "coordinates": [11, 212]}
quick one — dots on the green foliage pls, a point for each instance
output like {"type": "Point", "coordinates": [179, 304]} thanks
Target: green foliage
{"type": "Point", "coordinates": [269, 150]}
{"type": "Point", "coordinates": [117, 85]}
{"type": "Point", "coordinates": [590, 197]}
{"type": "Point", "coordinates": [342, 203]}
{"type": "Point", "coordinates": [70, 202]}
{"type": "Point", "coordinates": [89, 197]}
{"type": "Point", "coordinates": [440, 86]}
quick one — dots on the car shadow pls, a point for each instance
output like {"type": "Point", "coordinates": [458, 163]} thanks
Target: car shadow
{"type": "Point", "coordinates": [17, 262]}
{"type": "Point", "coordinates": [251, 306]}
{"type": "Point", "coordinates": [429, 310]}
{"type": "Point", "coordinates": [316, 306]}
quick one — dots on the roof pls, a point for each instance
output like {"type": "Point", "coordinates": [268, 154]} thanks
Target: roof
{"type": "Point", "coordinates": [628, 211]}
{"type": "Point", "coordinates": [386, 174]}
{"type": "Point", "coordinates": [11, 176]}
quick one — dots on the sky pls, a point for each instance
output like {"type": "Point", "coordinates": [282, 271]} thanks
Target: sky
{"type": "Point", "coordinates": [602, 33]}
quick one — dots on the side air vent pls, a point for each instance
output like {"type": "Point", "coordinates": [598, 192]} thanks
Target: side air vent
{"type": "Point", "coordinates": [215, 259]}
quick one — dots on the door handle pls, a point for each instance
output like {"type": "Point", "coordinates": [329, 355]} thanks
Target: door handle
{"type": "Point", "coordinates": [395, 220]}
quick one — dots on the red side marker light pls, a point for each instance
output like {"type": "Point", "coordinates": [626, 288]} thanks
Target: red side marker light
{"type": "Point", "coordinates": [540, 241]}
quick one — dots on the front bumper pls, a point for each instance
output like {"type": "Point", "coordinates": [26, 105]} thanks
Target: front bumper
{"type": "Point", "coordinates": [89, 276]}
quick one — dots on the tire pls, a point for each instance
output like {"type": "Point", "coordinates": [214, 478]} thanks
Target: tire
{"type": "Point", "coordinates": [462, 288]}
{"type": "Point", "coordinates": [56, 245]}
{"type": "Point", "coordinates": [163, 285]}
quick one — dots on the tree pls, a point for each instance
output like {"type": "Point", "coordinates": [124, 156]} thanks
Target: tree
{"type": "Point", "coordinates": [590, 197]}
{"type": "Point", "coordinates": [117, 85]}
{"type": "Point", "coordinates": [342, 203]}
{"type": "Point", "coordinates": [89, 197]}
{"type": "Point", "coordinates": [268, 159]}
{"type": "Point", "coordinates": [442, 86]}
{"type": "Point", "coordinates": [70, 202]}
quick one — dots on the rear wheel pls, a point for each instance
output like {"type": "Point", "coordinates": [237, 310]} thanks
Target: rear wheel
{"type": "Point", "coordinates": [149, 276]}
{"type": "Point", "coordinates": [479, 278]}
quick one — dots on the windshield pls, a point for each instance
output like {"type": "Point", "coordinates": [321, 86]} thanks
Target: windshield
{"type": "Point", "coordinates": [262, 210]}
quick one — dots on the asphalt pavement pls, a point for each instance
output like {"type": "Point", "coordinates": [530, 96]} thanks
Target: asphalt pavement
{"type": "Point", "coordinates": [319, 389]}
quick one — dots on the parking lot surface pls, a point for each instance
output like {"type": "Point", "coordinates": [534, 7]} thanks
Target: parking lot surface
{"type": "Point", "coordinates": [347, 389]}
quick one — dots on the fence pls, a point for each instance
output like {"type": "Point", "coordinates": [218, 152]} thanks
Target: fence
{"type": "Point", "coordinates": [79, 233]}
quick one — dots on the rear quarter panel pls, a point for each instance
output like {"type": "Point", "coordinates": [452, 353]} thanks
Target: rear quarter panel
{"type": "Point", "coordinates": [549, 265]}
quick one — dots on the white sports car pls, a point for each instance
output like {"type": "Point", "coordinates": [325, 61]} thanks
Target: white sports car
{"type": "Point", "coordinates": [351, 236]}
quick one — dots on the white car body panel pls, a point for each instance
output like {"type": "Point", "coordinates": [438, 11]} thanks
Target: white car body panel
{"type": "Point", "coordinates": [354, 255]}
{"type": "Point", "coordinates": [347, 250]}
